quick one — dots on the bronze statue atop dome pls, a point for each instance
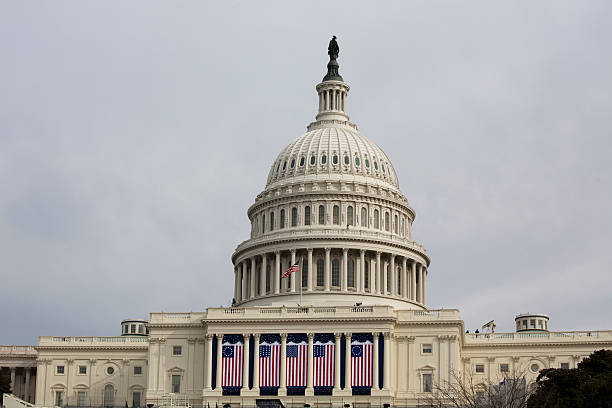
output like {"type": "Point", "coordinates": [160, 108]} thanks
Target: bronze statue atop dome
{"type": "Point", "coordinates": [332, 67]}
{"type": "Point", "coordinates": [333, 50]}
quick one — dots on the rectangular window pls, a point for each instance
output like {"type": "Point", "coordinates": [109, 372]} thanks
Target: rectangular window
{"type": "Point", "coordinates": [427, 349]}
{"type": "Point", "coordinates": [177, 350]}
{"type": "Point", "coordinates": [532, 323]}
{"type": "Point", "coordinates": [132, 329]}
{"type": "Point", "coordinates": [427, 382]}
{"type": "Point", "coordinates": [141, 329]}
{"type": "Point", "coordinates": [503, 368]}
{"type": "Point", "coordinates": [59, 369]}
{"type": "Point", "coordinates": [58, 399]}
{"type": "Point", "coordinates": [176, 384]}
{"type": "Point", "coordinates": [137, 370]}
{"type": "Point", "coordinates": [565, 366]}
{"type": "Point", "coordinates": [82, 369]}
{"type": "Point", "coordinates": [480, 368]}
{"type": "Point", "coordinates": [136, 399]}
{"type": "Point", "coordinates": [80, 398]}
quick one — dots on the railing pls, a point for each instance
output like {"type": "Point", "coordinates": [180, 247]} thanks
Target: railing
{"type": "Point", "coordinates": [17, 350]}
{"type": "Point", "coordinates": [76, 341]}
{"type": "Point", "coordinates": [553, 336]}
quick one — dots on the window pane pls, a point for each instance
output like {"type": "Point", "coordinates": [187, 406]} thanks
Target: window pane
{"type": "Point", "coordinates": [322, 215]}
{"type": "Point", "coordinates": [336, 215]}
{"type": "Point", "coordinates": [272, 221]}
{"type": "Point", "coordinates": [366, 277]}
{"type": "Point", "coordinates": [335, 272]}
{"type": "Point", "coordinates": [82, 369]}
{"type": "Point", "coordinates": [349, 215]}
{"type": "Point", "coordinates": [387, 221]}
{"type": "Point", "coordinates": [426, 382]}
{"type": "Point", "coordinates": [364, 217]}
{"type": "Point", "coordinates": [376, 219]}
{"type": "Point", "coordinates": [320, 272]}
{"type": "Point", "coordinates": [307, 215]}
{"type": "Point", "coordinates": [480, 368]}
{"type": "Point", "coordinates": [350, 277]}
{"type": "Point", "coordinates": [176, 350]}
{"type": "Point", "coordinates": [136, 399]}
{"type": "Point", "coordinates": [176, 384]}
{"type": "Point", "coordinates": [80, 398]}
{"type": "Point", "coordinates": [305, 272]}
{"type": "Point", "coordinates": [282, 219]}
{"type": "Point", "coordinates": [294, 217]}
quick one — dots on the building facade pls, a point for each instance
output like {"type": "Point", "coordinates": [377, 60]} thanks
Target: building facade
{"type": "Point", "coordinates": [350, 326]}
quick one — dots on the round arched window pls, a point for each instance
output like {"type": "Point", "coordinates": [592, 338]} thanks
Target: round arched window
{"type": "Point", "coordinates": [292, 163]}
{"type": "Point", "coordinates": [110, 370]}
{"type": "Point", "coordinates": [376, 165]}
{"type": "Point", "coordinates": [323, 159]}
{"type": "Point", "coordinates": [335, 159]}
{"type": "Point", "coordinates": [383, 167]}
{"type": "Point", "coordinates": [356, 161]}
{"type": "Point", "coordinates": [302, 161]}
{"type": "Point", "coordinates": [346, 160]}
{"type": "Point", "coordinates": [313, 160]}
{"type": "Point", "coordinates": [285, 165]}
{"type": "Point", "coordinates": [367, 163]}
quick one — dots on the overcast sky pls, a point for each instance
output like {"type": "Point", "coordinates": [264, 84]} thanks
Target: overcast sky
{"type": "Point", "coordinates": [135, 135]}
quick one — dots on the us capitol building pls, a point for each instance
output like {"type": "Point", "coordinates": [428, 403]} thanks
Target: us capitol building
{"type": "Point", "coordinates": [351, 326]}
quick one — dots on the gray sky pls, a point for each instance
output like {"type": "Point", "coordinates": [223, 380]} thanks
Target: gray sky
{"type": "Point", "coordinates": [134, 136]}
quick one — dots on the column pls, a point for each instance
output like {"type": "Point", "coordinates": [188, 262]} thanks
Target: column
{"type": "Point", "coordinates": [327, 269]}
{"type": "Point", "coordinates": [385, 271]}
{"type": "Point", "coordinates": [404, 279]}
{"type": "Point", "coordinates": [424, 277]}
{"type": "Point", "coordinates": [413, 282]}
{"type": "Point", "coordinates": [245, 361]}
{"type": "Point", "coordinates": [327, 100]}
{"type": "Point", "coordinates": [153, 359]}
{"type": "Point", "coordinates": [411, 358]}
{"type": "Point", "coordinates": [13, 369]}
{"type": "Point", "coordinates": [161, 365]}
{"type": "Point", "coordinates": [309, 373]}
{"type": "Point", "coordinates": [26, 395]}
{"type": "Point", "coordinates": [347, 362]}
{"type": "Point", "coordinates": [420, 289]}
{"type": "Point", "coordinates": [310, 270]}
{"type": "Point", "coordinates": [277, 274]}
{"type": "Point", "coordinates": [377, 280]}
{"type": "Point", "coordinates": [337, 338]}
{"type": "Point", "coordinates": [375, 385]}
{"type": "Point", "coordinates": [245, 282]}
{"type": "Point", "coordinates": [393, 277]}
{"type": "Point", "coordinates": [292, 276]}
{"type": "Point", "coordinates": [387, 361]}
{"type": "Point", "coordinates": [283, 366]}
{"type": "Point", "coordinates": [208, 362]}
{"type": "Point", "coordinates": [344, 283]}
{"type": "Point", "coordinates": [253, 276]}
{"type": "Point", "coordinates": [263, 274]}
{"type": "Point", "coordinates": [237, 284]}
{"type": "Point", "coordinates": [219, 358]}
{"type": "Point", "coordinates": [256, 363]}
{"type": "Point", "coordinates": [361, 280]}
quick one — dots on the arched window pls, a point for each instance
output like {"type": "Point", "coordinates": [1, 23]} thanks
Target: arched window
{"type": "Point", "coordinates": [350, 277]}
{"type": "Point", "coordinates": [272, 221]}
{"type": "Point", "coordinates": [109, 396]}
{"type": "Point", "coordinates": [268, 276]}
{"type": "Point", "coordinates": [402, 227]}
{"type": "Point", "coordinates": [282, 219]}
{"type": "Point", "coordinates": [395, 226]}
{"type": "Point", "coordinates": [336, 215]}
{"type": "Point", "coordinates": [398, 285]}
{"type": "Point", "coordinates": [387, 221]}
{"type": "Point", "coordinates": [313, 160]}
{"type": "Point", "coordinates": [366, 276]}
{"type": "Point", "coordinates": [376, 219]}
{"type": "Point", "coordinates": [364, 217]}
{"type": "Point", "coordinates": [263, 223]}
{"type": "Point", "coordinates": [305, 273]}
{"type": "Point", "coordinates": [388, 268]}
{"type": "Point", "coordinates": [349, 215]}
{"type": "Point", "coordinates": [322, 215]}
{"type": "Point", "coordinates": [294, 217]}
{"type": "Point", "coordinates": [347, 160]}
{"type": "Point", "coordinates": [335, 272]}
{"type": "Point", "coordinates": [307, 215]}
{"type": "Point", "coordinates": [302, 161]}
{"type": "Point", "coordinates": [320, 272]}
{"type": "Point", "coordinates": [335, 159]}
{"type": "Point", "coordinates": [323, 159]}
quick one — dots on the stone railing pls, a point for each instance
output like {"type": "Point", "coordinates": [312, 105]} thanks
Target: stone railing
{"type": "Point", "coordinates": [91, 341]}
{"type": "Point", "coordinates": [18, 350]}
{"type": "Point", "coordinates": [420, 315]}
{"type": "Point", "coordinates": [299, 312]}
{"type": "Point", "coordinates": [174, 318]}
{"type": "Point", "coordinates": [570, 336]}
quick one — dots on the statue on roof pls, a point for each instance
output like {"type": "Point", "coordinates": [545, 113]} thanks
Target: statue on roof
{"type": "Point", "coordinates": [333, 50]}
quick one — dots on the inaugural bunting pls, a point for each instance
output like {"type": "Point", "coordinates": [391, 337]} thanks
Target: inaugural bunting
{"type": "Point", "coordinates": [232, 357]}
{"type": "Point", "coordinates": [297, 363]}
{"type": "Point", "coordinates": [269, 362]}
{"type": "Point", "coordinates": [361, 363]}
{"type": "Point", "coordinates": [323, 363]}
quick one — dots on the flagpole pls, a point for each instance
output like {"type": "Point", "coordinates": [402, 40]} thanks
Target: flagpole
{"type": "Point", "coordinates": [301, 277]}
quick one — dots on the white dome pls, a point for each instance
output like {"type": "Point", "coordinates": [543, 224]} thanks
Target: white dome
{"type": "Point", "coordinates": [331, 154]}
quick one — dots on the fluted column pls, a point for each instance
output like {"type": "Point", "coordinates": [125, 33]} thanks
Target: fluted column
{"type": "Point", "coordinates": [378, 276]}
{"type": "Point", "coordinates": [375, 363]}
{"type": "Point", "coordinates": [309, 373]}
{"type": "Point", "coordinates": [361, 280]}
{"type": "Point", "coordinates": [337, 338]}
{"type": "Point", "coordinates": [327, 269]}
{"type": "Point", "coordinates": [208, 363]}
{"type": "Point", "coordinates": [26, 394]}
{"type": "Point", "coordinates": [283, 366]}
{"type": "Point", "coordinates": [385, 271]}
{"type": "Point", "coordinates": [420, 286]}
{"type": "Point", "coordinates": [310, 271]}
{"type": "Point", "coordinates": [13, 373]}
{"type": "Point", "coordinates": [245, 361]}
{"type": "Point", "coordinates": [344, 283]}
{"type": "Point", "coordinates": [219, 360]}
{"type": "Point", "coordinates": [252, 292]}
{"type": "Point", "coordinates": [413, 281]}
{"type": "Point", "coordinates": [387, 361]}
{"type": "Point", "coordinates": [263, 274]}
{"type": "Point", "coordinates": [393, 277]}
{"type": "Point", "coordinates": [256, 362]}
{"type": "Point", "coordinates": [424, 276]}
{"type": "Point", "coordinates": [277, 273]}
{"type": "Point", "coordinates": [245, 282]}
{"type": "Point", "coordinates": [404, 278]}
{"type": "Point", "coordinates": [237, 287]}
{"type": "Point", "coordinates": [292, 276]}
{"type": "Point", "coordinates": [347, 362]}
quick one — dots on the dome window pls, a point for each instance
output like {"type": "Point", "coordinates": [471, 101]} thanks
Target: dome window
{"type": "Point", "coordinates": [376, 165]}
{"type": "Point", "coordinates": [285, 165]}
{"type": "Point", "coordinates": [367, 163]}
{"type": "Point", "coordinates": [335, 159]}
{"type": "Point", "coordinates": [383, 167]}
{"type": "Point", "coordinates": [302, 162]}
{"type": "Point", "coordinates": [277, 167]}
{"type": "Point", "coordinates": [313, 160]}
{"type": "Point", "coordinates": [292, 163]}
{"type": "Point", "coordinates": [346, 160]}
{"type": "Point", "coordinates": [356, 161]}
{"type": "Point", "coordinates": [323, 159]}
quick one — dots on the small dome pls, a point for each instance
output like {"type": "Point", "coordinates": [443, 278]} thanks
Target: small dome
{"type": "Point", "coordinates": [332, 153]}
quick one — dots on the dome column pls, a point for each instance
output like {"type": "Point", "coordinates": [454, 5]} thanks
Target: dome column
{"type": "Point", "coordinates": [245, 288]}
{"type": "Point", "coordinates": [347, 362]}
{"type": "Point", "coordinates": [424, 277]}
{"type": "Point", "coordinates": [378, 277]}
{"type": "Point", "coordinates": [413, 281]}
{"type": "Point", "coordinates": [237, 294]}
{"type": "Point", "coordinates": [393, 278]}
{"type": "Point", "coordinates": [253, 277]}
{"type": "Point", "coordinates": [385, 272]}
{"type": "Point", "coordinates": [344, 283]}
{"type": "Point", "coordinates": [361, 280]}
{"type": "Point", "coordinates": [404, 278]}
{"type": "Point", "coordinates": [310, 270]}
{"type": "Point", "coordinates": [327, 269]}
{"type": "Point", "coordinates": [277, 273]}
{"type": "Point", "coordinates": [263, 274]}
{"type": "Point", "coordinates": [292, 276]}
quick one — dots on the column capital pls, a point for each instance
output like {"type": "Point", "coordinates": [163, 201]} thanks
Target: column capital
{"type": "Point", "coordinates": [362, 251]}
{"type": "Point", "coordinates": [348, 335]}
{"type": "Point", "coordinates": [293, 252]}
{"type": "Point", "coordinates": [327, 249]}
{"type": "Point", "coordinates": [246, 336]}
{"type": "Point", "coordinates": [256, 336]}
{"type": "Point", "coordinates": [277, 252]}
{"type": "Point", "coordinates": [516, 359]}
{"type": "Point", "coordinates": [337, 335]}
{"type": "Point", "coordinates": [309, 250]}
{"type": "Point", "coordinates": [378, 253]}
{"type": "Point", "coordinates": [386, 335]}
{"type": "Point", "coordinates": [375, 334]}
{"type": "Point", "coordinates": [209, 336]}
{"type": "Point", "coordinates": [490, 359]}
{"type": "Point", "coordinates": [345, 250]}
{"type": "Point", "coordinates": [310, 336]}
{"type": "Point", "coordinates": [283, 336]}
{"type": "Point", "coordinates": [192, 340]}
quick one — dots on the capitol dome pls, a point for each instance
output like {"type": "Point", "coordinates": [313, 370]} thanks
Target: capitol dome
{"type": "Point", "coordinates": [333, 207]}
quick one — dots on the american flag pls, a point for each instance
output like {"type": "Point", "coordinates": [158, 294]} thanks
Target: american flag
{"type": "Point", "coordinates": [361, 363]}
{"type": "Point", "coordinates": [291, 269]}
{"type": "Point", "coordinates": [323, 364]}
{"type": "Point", "coordinates": [232, 358]}
{"type": "Point", "coordinates": [269, 364]}
{"type": "Point", "coordinates": [297, 364]}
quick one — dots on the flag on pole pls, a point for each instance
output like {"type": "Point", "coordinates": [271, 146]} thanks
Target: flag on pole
{"type": "Point", "coordinates": [269, 364]}
{"type": "Point", "coordinates": [232, 360]}
{"type": "Point", "coordinates": [297, 364]}
{"type": "Point", "coordinates": [361, 363]}
{"type": "Point", "coordinates": [292, 268]}
{"type": "Point", "coordinates": [323, 364]}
